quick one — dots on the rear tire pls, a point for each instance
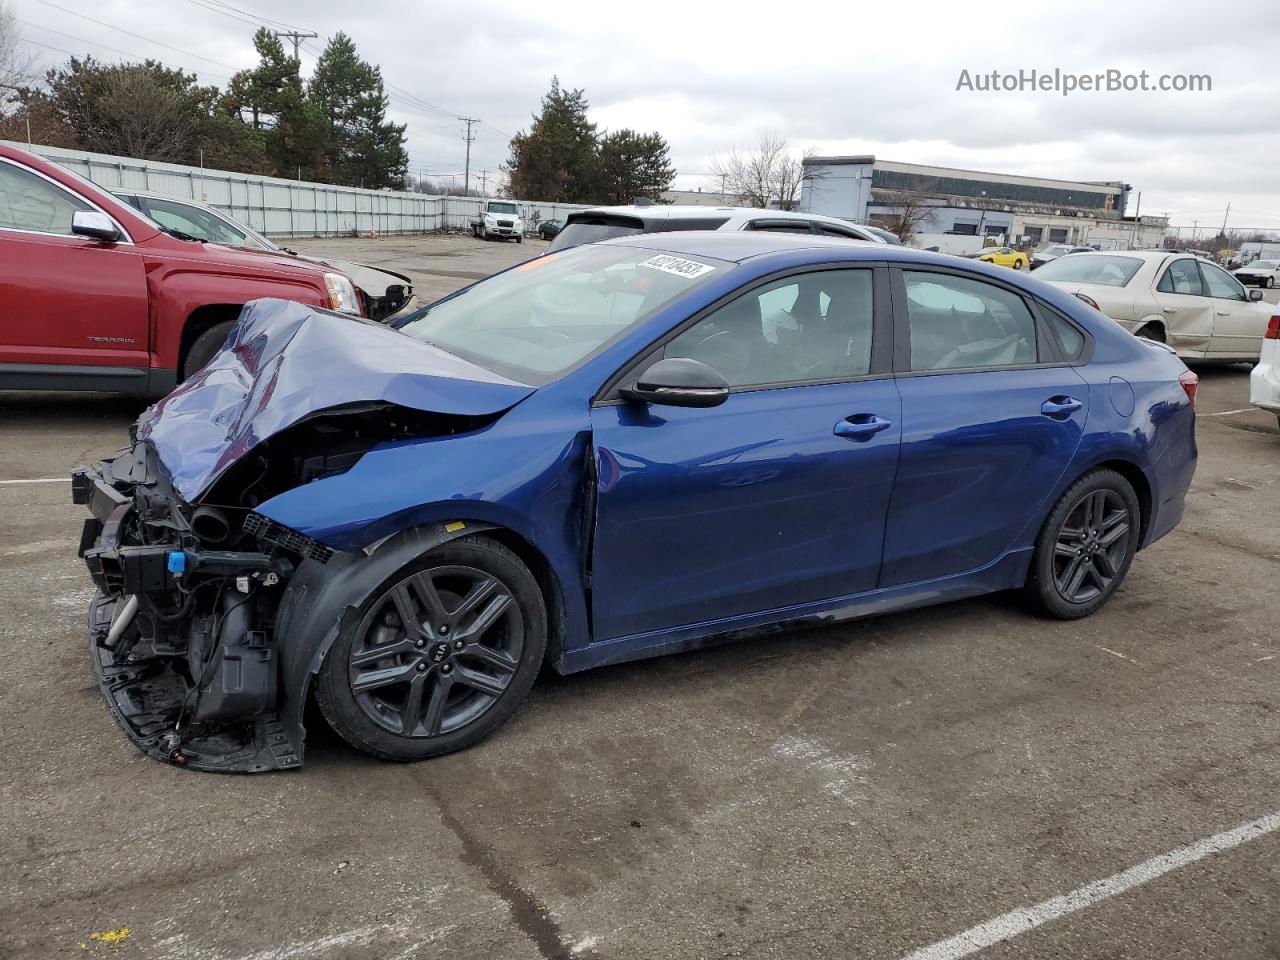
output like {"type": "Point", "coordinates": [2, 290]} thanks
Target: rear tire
{"type": "Point", "coordinates": [1085, 546]}
{"type": "Point", "coordinates": [442, 654]}
{"type": "Point", "coordinates": [204, 348]}
{"type": "Point", "coordinates": [1017, 264]}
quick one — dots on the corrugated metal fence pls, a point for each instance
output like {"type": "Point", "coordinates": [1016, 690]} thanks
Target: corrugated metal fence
{"type": "Point", "coordinates": [289, 208]}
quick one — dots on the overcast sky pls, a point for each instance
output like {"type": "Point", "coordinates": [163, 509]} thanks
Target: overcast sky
{"type": "Point", "coordinates": [842, 77]}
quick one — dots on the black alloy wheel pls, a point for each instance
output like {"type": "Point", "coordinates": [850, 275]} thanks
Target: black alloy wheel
{"type": "Point", "coordinates": [1085, 546]}
{"type": "Point", "coordinates": [442, 654]}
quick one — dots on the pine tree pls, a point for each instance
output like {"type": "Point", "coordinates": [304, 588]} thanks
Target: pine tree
{"type": "Point", "coordinates": [634, 165]}
{"type": "Point", "coordinates": [558, 159]}
{"type": "Point", "coordinates": [362, 147]}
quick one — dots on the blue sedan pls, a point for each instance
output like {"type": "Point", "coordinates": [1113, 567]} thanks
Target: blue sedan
{"type": "Point", "coordinates": [621, 450]}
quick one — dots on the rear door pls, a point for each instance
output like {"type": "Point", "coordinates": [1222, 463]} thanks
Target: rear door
{"type": "Point", "coordinates": [992, 414]}
{"type": "Point", "coordinates": [1187, 312]}
{"type": "Point", "coordinates": [772, 500]}
{"type": "Point", "coordinates": [73, 307]}
{"type": "Point", "coordinates": [1238, 325]}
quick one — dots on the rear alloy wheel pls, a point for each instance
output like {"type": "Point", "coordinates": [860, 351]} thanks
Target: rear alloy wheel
{"type": "Point", "coordinates": [1085, 546]}
{"type": "Point", "coordinates": [441, 656]}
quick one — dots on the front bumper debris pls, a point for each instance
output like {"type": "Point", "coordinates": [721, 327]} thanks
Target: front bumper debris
{"type": "Point", "coordinates": [182, 631]}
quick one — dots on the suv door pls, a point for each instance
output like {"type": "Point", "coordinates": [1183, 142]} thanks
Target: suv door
{"type": "Point", "coordinates": [1238, 325]}
{"type": "Point", "coordinates": [776, 498]}
{"type": "Point", "coordinates": [73, 307]}
{"type": "Point", "coordinates": [992, 413]}
{"type": "Point", "coordinates": [1188, 313]}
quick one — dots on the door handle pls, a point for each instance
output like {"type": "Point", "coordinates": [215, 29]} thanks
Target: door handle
{"type": "Point", "coordinates": [861, 426]}
{"type": "Point", "coordinates": [1060, 407]}
{"type": "Point", "coordinates": [1224, 313]}
{"type": "Point", "coordinates": [1169, 309]}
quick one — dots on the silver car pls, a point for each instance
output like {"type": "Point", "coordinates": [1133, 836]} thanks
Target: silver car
{"type": "Point", "coordinates": [387, 295]}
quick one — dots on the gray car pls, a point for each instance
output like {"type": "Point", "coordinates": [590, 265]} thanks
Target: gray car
{"type": "Point", "coordinates": [387, 296]}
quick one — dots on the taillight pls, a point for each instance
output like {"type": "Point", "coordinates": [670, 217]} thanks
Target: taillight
{"type": "Point", "coordinates": [1273, 329]}
{"type": "Point", "coordinates": [1190, 384]}
{"type": "Point", "coordinates": [1089, 300]}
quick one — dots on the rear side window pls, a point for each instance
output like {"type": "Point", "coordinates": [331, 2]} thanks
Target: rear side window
{"type": "Point", "coordinates": [958, 323]}
{"type": "Point", "coordinates": [1106, 270]}
{"type": "Point", "coordinates": [1070, 341]}
{"type": "Point", "coordinates": [29, 202]}
{"type": "Point", "coordinates": [1181, 277]}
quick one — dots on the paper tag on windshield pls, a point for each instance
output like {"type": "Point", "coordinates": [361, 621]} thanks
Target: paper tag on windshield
{"type": "Point", "coordinates": [677, 265]}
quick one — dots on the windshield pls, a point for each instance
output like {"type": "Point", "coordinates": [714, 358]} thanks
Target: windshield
{"type": "Point", "coordinates": [536, 321]}
{"type": "Point", "coordinates": [1091, 268]}
{"type": "Point", "coordinates": [502, 208]}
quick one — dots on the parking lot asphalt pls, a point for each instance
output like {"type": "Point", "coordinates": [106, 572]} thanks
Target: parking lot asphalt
{"type": "Point", "coordinates": [865, 790]}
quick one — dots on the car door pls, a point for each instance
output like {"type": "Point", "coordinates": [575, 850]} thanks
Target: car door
{"type": "Point", "coordinates": [992, 414]}
{"type": "Point", "coordinates": [1187, 312]}
{"type": "Point", "coordinates": [772, 500]}
{"type": "Point", "coordinates": [70, 303]}
{"type": "Point", "coordinates": [1238, 324]}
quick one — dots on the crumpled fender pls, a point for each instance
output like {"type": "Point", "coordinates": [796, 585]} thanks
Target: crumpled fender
{"type": "Point", "coordinates": [323, 597]}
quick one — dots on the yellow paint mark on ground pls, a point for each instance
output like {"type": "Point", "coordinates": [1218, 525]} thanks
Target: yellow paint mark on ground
{"type": "Point", "coordinates": [113, 937]}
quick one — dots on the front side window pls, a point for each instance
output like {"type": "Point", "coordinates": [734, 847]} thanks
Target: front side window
{"type": "Point", "coordinates": [1221, 284]}
{"type": "Point", "coordinates": [1100, 268]}
{"type": "Point", "coordinates": [200, 224]}
{"type": "Point", "coordinates": [810, 327]}
{"type": "Point", "coordinates": [958, 323]}
{"type": "Point", "coordinates": [29, 202]}
{"type": "Point", "coordinates": [536, 321]}
{"type": "Point", "coordinates": [1182, 277]}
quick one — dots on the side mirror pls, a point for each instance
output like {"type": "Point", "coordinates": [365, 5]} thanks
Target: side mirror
{"type": "Point", "coordinates": [679, 382]}
{"type": "Point", "coordinates": [94, 225]}
{"type": "Point", "coordinates": [1255, 294]}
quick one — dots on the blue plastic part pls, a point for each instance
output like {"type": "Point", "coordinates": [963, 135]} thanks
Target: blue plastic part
{"type": "Point", "coordinates": [177, 562]}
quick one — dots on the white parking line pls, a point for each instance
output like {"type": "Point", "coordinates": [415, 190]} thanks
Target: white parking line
{"type": "Point", "coordinates": [42, 480]}
{"type": "Point", "coordinates": [1226, 413]}
{"type": "Point", "coordinates": [1015, 922]}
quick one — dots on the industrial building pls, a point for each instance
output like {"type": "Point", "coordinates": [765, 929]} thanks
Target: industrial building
{"type": "Point", "coordinates": [1004, 207]}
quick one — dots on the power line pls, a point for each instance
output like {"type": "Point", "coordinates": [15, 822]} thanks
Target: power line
{"type": "Point", "coordinates": [96, 43]}
{"type": "Point", "coordinates": [139, 36]}
{"type": "Point", "coordinates": [297, 36]}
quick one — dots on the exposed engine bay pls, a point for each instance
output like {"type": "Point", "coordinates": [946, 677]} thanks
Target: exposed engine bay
{"type": "Point", "coordinates": [184, 628]}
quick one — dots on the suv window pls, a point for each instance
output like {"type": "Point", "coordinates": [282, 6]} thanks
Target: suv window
{"type": "Point", "coordinates": [1221, 284]}
{"type": "Point", "coordinates": [1181, 277]}
{"type": "Point", "coordinates": [956, 323]}
{"type": "Point", "coordinates": [199, 223]}
{"type": "Point", "coordinates": [829, 231]}
{"type": "Point", "coordinates": [810, 327]}
{"type": "Point", "coordinates": [29, 202]}
{"type": "Point", "coordinates": [781, 226]}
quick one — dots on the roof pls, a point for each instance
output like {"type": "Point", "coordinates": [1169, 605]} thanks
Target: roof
{"type": "Point", "coordinates": [736, 246]}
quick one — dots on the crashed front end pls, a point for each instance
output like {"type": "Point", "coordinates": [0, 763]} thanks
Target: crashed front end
{"type": "Point", "coordinates": [183, 627]}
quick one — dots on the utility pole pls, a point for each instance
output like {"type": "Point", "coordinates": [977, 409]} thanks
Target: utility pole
{"type": "Point", "coordinates": [466, 176]}
{"type": "Point", "coordinates": [297, 36]}
{"type": "Point", "coordinates": [484, 179]}
{"type": "Point", "coordinates": [1224, 221]}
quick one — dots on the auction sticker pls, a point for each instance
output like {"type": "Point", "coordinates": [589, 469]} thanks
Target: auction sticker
{"type": "Point", "coordinates": [689, 269]}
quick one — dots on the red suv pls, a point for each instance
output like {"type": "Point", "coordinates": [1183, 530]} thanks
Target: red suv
{"type": "Point", "coordinates": [96, 296]}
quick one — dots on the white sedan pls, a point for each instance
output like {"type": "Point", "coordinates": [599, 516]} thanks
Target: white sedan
{"type": "Point", "coordinates": [1192, 305]}
{"type": "Point", "coordinates": [1262, 272]}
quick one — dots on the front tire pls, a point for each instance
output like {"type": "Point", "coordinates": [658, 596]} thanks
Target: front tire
{"type": "Point", "coordinates": [1271, 282]}
{"type": "Point", "coordinates": [205, 347]}
{"type": "Point", "coordinates": [1085, 546]}
{"type": "Point", "coordinates": [442, 654]}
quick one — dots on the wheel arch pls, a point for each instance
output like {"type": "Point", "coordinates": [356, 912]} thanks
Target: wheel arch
{"type": "Point", "coordinates": [1137, 479]}
{"type": "Point", "coordinates": [204, 318]}
{"type": "Point", "coordinates": [1152, 320]}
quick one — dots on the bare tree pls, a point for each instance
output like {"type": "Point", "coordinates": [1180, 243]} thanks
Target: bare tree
{"type": "Point", "coordinates": [766, 175]}
{"type": "Point", "coordinates": [908, 211]}
{"type": "Point", "coordinates": [15, 65]}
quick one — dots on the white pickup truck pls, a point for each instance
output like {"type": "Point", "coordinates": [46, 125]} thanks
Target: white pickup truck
{"type": "Point", "coordinates": [499, 218]}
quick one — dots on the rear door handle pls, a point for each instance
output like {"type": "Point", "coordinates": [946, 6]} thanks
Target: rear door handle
{"type": "Point", "coordinates": [861, 426]}
{"type": "Point", "coordinates": [1169, 309]}
{"type": "Point", "coordinates": [1224, 313]}
{"type": "Point", "coordinates": [1060, 407]}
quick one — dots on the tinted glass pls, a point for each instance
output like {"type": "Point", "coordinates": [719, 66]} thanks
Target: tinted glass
{"type": "Point", "coordinates": [29, 202]}
{"type": "Point", "coordinates": [814, 326]}
{"type": "Point", "coordinates": [200, 224]}
{"type": "Point", "coordinates": [956, 322]}
{"type": "Point", "coordinates": [535, 321]}
{"type": "Point", "coordinates": [1221, 284]}
{"type": "Point", "coordinates": [1106, 270]}
{"type": "Point", "coordinates": [778, 226]}
{"type": "Point", "coordinates": [574, 234]}
{"type": "Point", "coordinates": [1181, 277]}
{"type": "Point", "coordinates": [1070, 340]}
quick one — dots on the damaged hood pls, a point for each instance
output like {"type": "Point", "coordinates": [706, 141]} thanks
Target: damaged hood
{"type": "Point", "coordinates": [286, 361]}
